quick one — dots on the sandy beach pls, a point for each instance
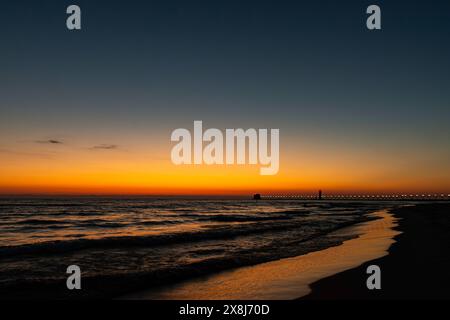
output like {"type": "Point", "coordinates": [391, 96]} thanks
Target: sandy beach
{"type": "Point", "coordinates": [416, 267]}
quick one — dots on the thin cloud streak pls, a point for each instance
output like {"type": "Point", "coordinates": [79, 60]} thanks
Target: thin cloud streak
{"type": "Point", "coordinates": [105, 147]}
{"type": "Point", "coordinates": [49, 141]}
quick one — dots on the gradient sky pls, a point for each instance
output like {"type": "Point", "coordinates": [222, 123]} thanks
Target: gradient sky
{"type": "Point", "coordinates": [92, 111]}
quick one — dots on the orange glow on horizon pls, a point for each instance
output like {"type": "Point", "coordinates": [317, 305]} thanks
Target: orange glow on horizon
{"type": "Point", "coordinates": [134, 172]}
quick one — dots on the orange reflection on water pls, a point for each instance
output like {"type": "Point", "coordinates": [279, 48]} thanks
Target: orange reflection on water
{"type": "Point", "coordinates": [288, 278]}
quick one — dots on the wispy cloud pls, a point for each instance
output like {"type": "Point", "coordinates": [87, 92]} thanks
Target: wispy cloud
{"type": "Point", "coordinates": [49, 141]}
{"type": "Point", "coordinates": [28, 154]}
{"type": "Point", "coordinates": [105, 147]}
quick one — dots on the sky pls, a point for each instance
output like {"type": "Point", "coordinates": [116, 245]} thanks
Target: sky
{"type": "Point", "coordinates": [92, 111]}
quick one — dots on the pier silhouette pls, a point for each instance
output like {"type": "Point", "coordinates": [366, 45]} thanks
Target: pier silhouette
{"type": "Point", "coordinates": [359, 197]}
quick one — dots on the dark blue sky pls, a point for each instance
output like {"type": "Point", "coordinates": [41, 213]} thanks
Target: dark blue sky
{"type": "Point", "coordinates": [311, 56]}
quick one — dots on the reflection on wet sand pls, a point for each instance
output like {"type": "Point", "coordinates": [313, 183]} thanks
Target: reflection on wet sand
{"type": "Point", "coordinates": [288, 278]}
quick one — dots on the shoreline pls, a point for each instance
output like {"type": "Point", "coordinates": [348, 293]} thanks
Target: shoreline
{"type": "Point", "coordinates": [415, 268]}
{"type": "Point", "coordinates": [286, 278]}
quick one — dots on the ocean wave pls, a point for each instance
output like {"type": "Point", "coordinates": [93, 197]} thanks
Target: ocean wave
{"type": "Point", "coordinates": [39, 222]}
{"type": "Point", "coordinates": [15, 205]}
{"type": "Point", "coordinates": [214, 232]}
{"type": "Point", "coordinates": [124, 280]}
{"type": "Point", "coordinates": [243, 218]}
{"type": "Point", "coordinates": [139, 241]}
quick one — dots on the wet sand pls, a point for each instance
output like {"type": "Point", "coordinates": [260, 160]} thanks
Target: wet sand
{"type": "Point", "coordinates": [288, 278]}
{"type": "Point", "coordinates": [417, 266]}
